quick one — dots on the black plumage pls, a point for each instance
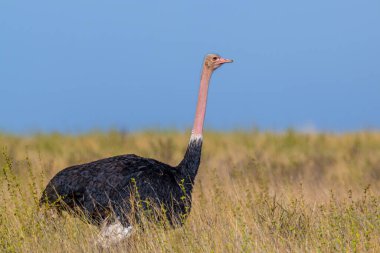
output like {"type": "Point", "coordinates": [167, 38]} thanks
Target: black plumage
{"type": "Point", "coordinates": [110, 185]}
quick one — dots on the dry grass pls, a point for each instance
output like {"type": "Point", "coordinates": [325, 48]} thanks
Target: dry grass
{"type": "Point", "coordinates": [255, 192]}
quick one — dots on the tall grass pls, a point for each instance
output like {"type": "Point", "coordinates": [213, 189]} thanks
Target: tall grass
{"type": "Point", "coordinates": [255, 192]}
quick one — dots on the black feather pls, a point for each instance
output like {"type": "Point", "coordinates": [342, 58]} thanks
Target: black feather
{"type": "Point", "coordinates": [111, 185]}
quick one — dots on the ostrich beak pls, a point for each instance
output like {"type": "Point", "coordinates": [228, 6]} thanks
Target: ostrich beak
{"type": "Point", "coordinates": [222, 60]}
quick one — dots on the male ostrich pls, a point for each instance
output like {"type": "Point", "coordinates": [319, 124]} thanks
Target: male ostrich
{"type": "Point", "coordinates": [108, 186]}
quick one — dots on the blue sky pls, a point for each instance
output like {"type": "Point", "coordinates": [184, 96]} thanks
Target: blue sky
{"type": "Point", "coordinates": [73, 66]}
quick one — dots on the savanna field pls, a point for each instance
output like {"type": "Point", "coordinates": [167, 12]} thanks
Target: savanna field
{"type": "Point", "coordinates": [255, 192]}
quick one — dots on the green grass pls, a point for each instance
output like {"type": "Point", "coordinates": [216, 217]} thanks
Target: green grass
{"type": "Point", "coordinates": [255, 192]}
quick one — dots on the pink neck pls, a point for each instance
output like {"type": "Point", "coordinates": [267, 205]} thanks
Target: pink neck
{"type": "Point", "coordinates": [202, 102]}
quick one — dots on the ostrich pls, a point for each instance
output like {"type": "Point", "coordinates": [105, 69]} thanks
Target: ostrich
{"type": "Point", "coordinates": [108, 186]}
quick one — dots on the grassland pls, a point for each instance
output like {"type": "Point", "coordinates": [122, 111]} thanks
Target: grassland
{"type": "Point", "coordinates": [255, 192]}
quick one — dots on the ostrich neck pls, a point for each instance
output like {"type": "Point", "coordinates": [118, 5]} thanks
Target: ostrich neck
{"type": "Point", "coordinates": [201, 105]}
{"type": "Point", "coordinates": [190, 163]}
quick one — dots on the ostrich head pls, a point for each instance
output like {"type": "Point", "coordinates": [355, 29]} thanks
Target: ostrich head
{"type": "Point", "coordinates": [214, 61]}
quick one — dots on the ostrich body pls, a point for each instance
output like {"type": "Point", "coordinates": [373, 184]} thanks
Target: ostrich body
{"type": "Point", "coordinates": [108, 185]}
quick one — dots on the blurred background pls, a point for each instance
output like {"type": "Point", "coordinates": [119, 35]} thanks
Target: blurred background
{"type": "Point", "coordinates": [75, 66]}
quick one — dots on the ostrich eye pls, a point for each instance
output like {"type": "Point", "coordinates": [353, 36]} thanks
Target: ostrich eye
{"type": "Point", "coordinates": [214, 58]}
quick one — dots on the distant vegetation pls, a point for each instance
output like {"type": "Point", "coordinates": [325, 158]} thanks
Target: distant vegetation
{"type": "Point", "coordinates": [255, 192]}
